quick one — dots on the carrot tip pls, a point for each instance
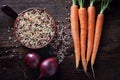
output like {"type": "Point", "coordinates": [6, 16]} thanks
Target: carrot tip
{"type": "Point", "coordinates": [85, 69]}
{"type": "Point", "coordinates": [93, 72]}
{"type": "Point", "coordinates": [87, 62]}
{"type": "Point", "coordinates": [88, 75]}
{"type": "Point", "coordinates": [77, 64]}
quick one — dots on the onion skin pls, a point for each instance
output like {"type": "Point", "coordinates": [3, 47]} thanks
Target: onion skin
{"type": "Point", "coordinates": [32, 61]}
{"type": "Point", "coordinates": [48, 67]}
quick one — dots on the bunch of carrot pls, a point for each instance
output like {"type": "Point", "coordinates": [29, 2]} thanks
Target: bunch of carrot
{"type": "Point", "coordinates": [86, 30]}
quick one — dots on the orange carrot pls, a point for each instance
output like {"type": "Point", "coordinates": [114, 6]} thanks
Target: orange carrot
{"type": "Point", "coordinates": [83, 33]}
{"type": "Point", "coordinates": [75, 31]}
{"type": "Point", "coordinates": [91, 28]}
{"type": "Point", "coordinates": [98, 30]}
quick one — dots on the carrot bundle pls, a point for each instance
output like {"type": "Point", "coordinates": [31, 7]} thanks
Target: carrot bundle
{"type": "Point", "coordinates": [75, 31]}
{"type": "Point", "coordinates": [83, 32]}
{"type": "Point", "coordinates": [87, 39]}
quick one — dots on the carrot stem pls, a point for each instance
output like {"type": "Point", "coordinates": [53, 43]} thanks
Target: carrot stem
{"type": "Point", "coordinates": [104, 5]}
{"type": "Point", "coordinates": [92, 2]}
{"type": "Point", "coordinates": [74, 2]}
{"type": "Point", "coordinates": [81, 3]}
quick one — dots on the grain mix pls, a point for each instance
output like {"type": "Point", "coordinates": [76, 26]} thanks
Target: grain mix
{"type": "Point", "coordinates": [34, 28]}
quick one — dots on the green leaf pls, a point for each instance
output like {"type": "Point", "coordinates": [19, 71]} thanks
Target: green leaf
{"type": "Point", "coordinates": [81, 3]}
{"type": "Point", "coordinates": [104, 5]}
{"type": "Point", "coordinates": [74, 2]}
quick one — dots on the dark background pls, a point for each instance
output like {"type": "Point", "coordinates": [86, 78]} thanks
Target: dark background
{"type": "Point", "coordinates": [107, 65]}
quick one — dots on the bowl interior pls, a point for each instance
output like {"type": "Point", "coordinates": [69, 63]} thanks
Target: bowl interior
{"type": "Point", "coordinates": [34, 28]}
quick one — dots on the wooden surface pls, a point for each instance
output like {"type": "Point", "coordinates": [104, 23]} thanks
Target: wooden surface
{"type": "Point", "coordinates": [107, 65]}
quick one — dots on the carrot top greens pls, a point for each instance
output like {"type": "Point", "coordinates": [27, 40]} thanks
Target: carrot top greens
{"type": "Point", "coordinates": [104, 5]}
{"type": "Point", "coordinates": [81, 3]}
{"type": "Point", "coordinates": [74, 2]}
{"type": "Point", "coordinates": [92, 2]}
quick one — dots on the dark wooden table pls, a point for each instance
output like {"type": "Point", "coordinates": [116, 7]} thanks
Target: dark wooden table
{"type": "Point", "coordinates": [107, 65]}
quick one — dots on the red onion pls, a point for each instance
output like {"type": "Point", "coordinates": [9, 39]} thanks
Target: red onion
{"type": "Point", "coordinates": [32, 60]}
{"type": "Point", "coordinates": [48, 67]}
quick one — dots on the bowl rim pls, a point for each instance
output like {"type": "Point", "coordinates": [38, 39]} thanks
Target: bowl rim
{"type": "Point", "coordinates": [15, 24]}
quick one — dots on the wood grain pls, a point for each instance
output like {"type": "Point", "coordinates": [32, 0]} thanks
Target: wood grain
{"type": "Point", "coordinates": [107, 65]}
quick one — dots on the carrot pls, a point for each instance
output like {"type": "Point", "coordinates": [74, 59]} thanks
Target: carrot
{"type": "Point", "coordinates": [75, 31]}
{"type": "Point", "coordinates": [83, 32]}
{"type": "Point", "coordinates": [91, 28]}
{"type": "Point", "coordinates": [98, 31]}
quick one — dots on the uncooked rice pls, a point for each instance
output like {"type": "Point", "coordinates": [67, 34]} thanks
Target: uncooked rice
{"type": "Point", "coordinates": [34, 28]}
